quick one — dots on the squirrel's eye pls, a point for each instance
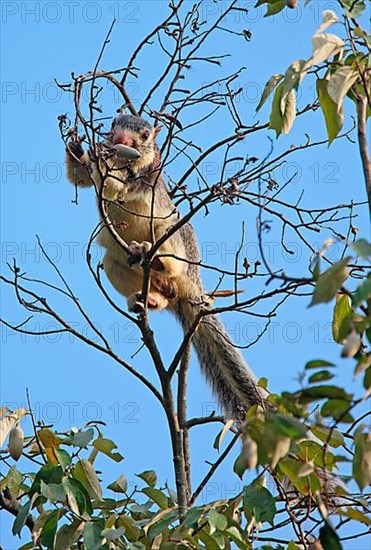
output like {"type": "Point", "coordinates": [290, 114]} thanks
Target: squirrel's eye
{"type": "Point", "coordinates": [144, 136]}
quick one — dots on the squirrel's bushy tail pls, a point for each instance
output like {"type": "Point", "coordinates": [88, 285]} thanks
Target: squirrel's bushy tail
{"type": "Point", "coordinates": [231, 380]}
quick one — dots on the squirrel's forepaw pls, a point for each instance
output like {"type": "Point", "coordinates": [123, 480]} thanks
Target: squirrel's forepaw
{"type": "Point", "coordinates": [74, 147]}
{"type": "Point", "coordinates": [138, 252]}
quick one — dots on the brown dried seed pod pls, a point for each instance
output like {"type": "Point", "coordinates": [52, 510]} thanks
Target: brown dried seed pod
{"type": "Point", "coordinates": [250, 453]}
{"type": "Point", "coordinates": [351, 345]}
{"type": "Point", "coordinates": [16, 439]}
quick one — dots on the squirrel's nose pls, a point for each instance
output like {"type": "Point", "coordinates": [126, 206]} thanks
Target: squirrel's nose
{"type": "Point", "coordinates": [124, 140]}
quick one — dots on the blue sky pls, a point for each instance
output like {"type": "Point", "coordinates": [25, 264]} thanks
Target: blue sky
{"type": "Point", "coordinates": [70, 383]}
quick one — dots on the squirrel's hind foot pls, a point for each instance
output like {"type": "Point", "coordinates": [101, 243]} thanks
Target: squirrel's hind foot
{"type": "Point", "coordinates": [154, 302]}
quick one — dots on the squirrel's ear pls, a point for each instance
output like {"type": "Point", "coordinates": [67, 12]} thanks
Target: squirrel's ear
{"type": "Point", "coordinates": [157, 130]}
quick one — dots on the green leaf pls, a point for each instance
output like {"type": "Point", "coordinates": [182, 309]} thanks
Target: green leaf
{"type": "Point", "coordinates": [356, 9]}
{"type": "Point", "coordinates": [330, 281]}
{"type": "Point", "coordinates": [367, 379]}
{"type": "Point", "coordinates": [53, 492]}
{"type": "Point", "coordinates": [320, 376]}
{"type": "Point", "coordinates": [339, 83]}
{"type": "Point", "coordinates": [141, 508]}
{"type": "Point", "coordinates": [106, 446]}
{"type": "Point", "coordinates": [120, 485]}
{"type": "Point", "coordinates": [219, 538]}
{"type": "Point", "coordinates": [362, 459]}
{"type": "Point", "coordinates": [355, 514]}
{"type": "Point", "coordinates": [293, 77]}
{"type": "Point", "coordinates": [192, 517]}
{"type": "Point", "coordinates": [92, 536]}
{"type": "Point", "coordinates": [291, 468]}
{"type": "Point", "coordinates": [210, 541]}
{"type": "Point", "coordinates": [49, 529]}
{"type": "Point", "coordinates": [160, 522]}
{"type": "Point", "coordinates": [283, 112]}
{"type": "Point", "coordinates": [312, 451]}
{"type": "Point", "coordinates": [85, 473]}
{"type": "Point", "coordinates": [334, 438]}
{"type": "Point", "coordinates": [357, 59]}
{"type": "Point", "coordinates": [149, 476]}
{"type": "Point", "coordinates": [315, 267]}
{"type": "Point", "coordinates": [363, 363]}
{"type": "Point", "coordinates": [79, 439]}
{"type": "Point", "coordinates": [316, 363]}
{"type": "Point", "coordinates": [336, 408]}
{"type": "Point", "coordinates": [157, 496]}
{"type": "Point", "coordinates": [111, 533]}
{"type": "Point", "coordinates": [334, 118]}
{"type": "Point", "coordinates": [21, 518]}
{"type": "Point", "coordinates": [314, 393]}
{"type": "Point", "coordinates": [273, 437]}
{"type": "Point", "coordinates": [50, 473]}
{"type": "Point", "coordinates": [363, 292]}
{"type": "Point", "coordinates": [132, 532]}
{"type": "Point", "coordinates": [66, 536]}
{"type": "Point", "coordinates": [259, 503]}
{"type": "Point", "coordinates": [362, 248]}
{"type": "Point", "coordinates": [342, 319]}
{"type": "Point", "coordinates": [274, 7]}
{"type": "Point", "coordinates": [63, 458]}
{"type": "Point", "coordinates": [263, 383]}
{"type": "Point", "coordinates": [235, 536]}
{"type": "Point", "coordinates": [361, 323]}
{"type": "Point", "coordinates": [77, 496]}
{"type": "Point", "coordinates": [239, 466]}
{"type": "Point", "coordinates": [328, 538]}
{"type": "Point", "coordinates": [12, 480]}
{"type": "Point", "coordinates": [287, 426]}
{"type": "Point", "coordinates": [268, 89]}
{"type": "Point", "coordinates": [217, 521]}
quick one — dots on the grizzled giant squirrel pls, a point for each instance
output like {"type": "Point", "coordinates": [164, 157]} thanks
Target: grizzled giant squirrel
{"type": "Point", "coordinates": [138, 203]}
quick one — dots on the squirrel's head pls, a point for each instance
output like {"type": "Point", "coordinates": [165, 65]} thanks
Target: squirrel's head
{"type": "Point", "coordinates": [137, 133]}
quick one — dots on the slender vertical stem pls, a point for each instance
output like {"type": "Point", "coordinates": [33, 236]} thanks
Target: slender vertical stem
{"type": "Point", "coordinates": [176, 433]}
{"type": "Point", "coordinates": [362, 142]}
{"type": "Point", "coordinates": [182, 412]}
{"type": "Point", "coordinates": [177, 441]}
